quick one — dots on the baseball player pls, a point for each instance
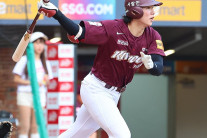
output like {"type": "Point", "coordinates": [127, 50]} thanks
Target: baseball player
{"type": "Point", "coordinates": [123, 46]}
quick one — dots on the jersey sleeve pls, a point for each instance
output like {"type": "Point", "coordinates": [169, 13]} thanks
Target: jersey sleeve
{"type": "Point", "coordinates": [20, 66]}
{"type": "Point", "coordinates": [95, 32]}
{"type": "Point", "coordinates": [50, 74]}
{"type": "Point", "coordinates": [156, 44]}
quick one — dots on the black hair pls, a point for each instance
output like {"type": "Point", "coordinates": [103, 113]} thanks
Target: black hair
{"type": "Point", "coordinates": [127, 19]}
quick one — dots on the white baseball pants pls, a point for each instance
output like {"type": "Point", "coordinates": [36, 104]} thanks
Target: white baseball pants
{"type": "Point", "coordinates": [99, 109]}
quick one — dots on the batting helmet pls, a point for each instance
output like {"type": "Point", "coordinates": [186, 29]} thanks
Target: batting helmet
{"type": "Point", "coordinates": [133, 7]}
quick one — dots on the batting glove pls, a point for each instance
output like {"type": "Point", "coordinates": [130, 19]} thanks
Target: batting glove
{"type": "Point", "coordinates": [47, 9]}
{"type": "Point", "coordinates": [147, 60]}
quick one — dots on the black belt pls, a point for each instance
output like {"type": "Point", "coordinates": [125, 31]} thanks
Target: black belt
{"type": "Point", "coordinates": [118, 89]}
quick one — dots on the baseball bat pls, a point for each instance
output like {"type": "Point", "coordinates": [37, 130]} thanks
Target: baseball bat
{"type": "Point", "coordinates": [25, 39]}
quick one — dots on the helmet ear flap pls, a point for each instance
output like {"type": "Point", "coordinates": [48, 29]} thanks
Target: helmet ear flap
{"type": "Point", "coordinates": [135, 12]}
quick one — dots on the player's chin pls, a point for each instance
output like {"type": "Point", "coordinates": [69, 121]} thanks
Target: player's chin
{"type": "Point", "coordinates": [149, 23]}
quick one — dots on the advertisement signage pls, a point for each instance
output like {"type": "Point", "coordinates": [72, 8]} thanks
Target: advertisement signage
{"type": "Point", "coordinates": [61, 90]}
{"type": "Point", "coordinates": [191, 67]}
{"type": "Point", "coordinates": [88, 9]}
{"type": "Point", "coordinates": [53, 130]}
{"type": "Point", "coordinates": [65, 121]}
{"type": "Point", "coordinates": [180, 10]}
{"type": "Point", "coordinates": [16, 9]}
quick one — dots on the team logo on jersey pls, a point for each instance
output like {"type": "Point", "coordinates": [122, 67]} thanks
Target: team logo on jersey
{"type": "Point", "coordinates": [125, 56]}
{"type": "Point", "coordinates": [159, 44]}
{"type": "Point", "coordinates": [95, 23]}
{"type": "Point", "coordinates": [122, 42]}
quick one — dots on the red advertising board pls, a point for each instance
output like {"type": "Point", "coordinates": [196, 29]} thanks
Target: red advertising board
{"type": "Point", "coordinates": [60, 96]}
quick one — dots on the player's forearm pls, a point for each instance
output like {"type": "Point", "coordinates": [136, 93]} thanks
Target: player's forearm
{"type": "Point", "coordinates": [158, 65]}
{"type": "Point", "coordinates": [71, 27]}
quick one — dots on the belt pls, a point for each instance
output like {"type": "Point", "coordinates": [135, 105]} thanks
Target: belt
{"type": "Point", "coordinates": [118, 89]}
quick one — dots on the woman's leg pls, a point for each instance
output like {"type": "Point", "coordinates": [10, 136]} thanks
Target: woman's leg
{"type": "Point", "coordinates": [34, 127]}
{"type": "Point", "coordinates": [24, 120]}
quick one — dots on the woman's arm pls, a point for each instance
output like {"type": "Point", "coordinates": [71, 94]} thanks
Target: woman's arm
{"type": "Point", "coordinates": [19, 80]}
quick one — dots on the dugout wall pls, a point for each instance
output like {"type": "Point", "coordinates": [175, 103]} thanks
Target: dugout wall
{"type": "Point", "coordinates": [144, 105]}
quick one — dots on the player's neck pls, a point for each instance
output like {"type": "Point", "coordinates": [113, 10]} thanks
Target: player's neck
{"type": "Point", "coordinates": [136, 28]}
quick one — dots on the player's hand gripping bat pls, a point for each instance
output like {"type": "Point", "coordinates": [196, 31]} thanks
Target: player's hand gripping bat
{"type": "Point", "coordinates": [25, 39]}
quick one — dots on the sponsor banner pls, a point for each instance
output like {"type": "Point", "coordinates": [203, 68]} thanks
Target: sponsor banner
{"type": "Point", "coordinates": [88, 9]}
{"type": "Point", "coordinates": [60, 96]}
{"type": "Point", "coordinates": [53, 131]}
{"type": "Point", "coordinates": [65, 122]}
{"type": "Point", "coordinates": [66, 99]}
{"type": "Point", "coordinates": [52, 101]}
{"type": "Point", "coordinates": [66, 75]}
{"type": "Point", "coordinates": [53, 85]}
{"type": "Point", "coordinates": [66, 50]}
{"type": "Point", "coordinates": [66, 111]}
{"type": "Point", "coordinates": [66, 86]}
{"type": "Point", "coordinates": [52, 116]}
{"type": "Point", "coordinates": [180, 10]}
{"type": "Point", "coordinates": [191, 67]}
{"type": "Point", "coordinates": [66, 63]}
{"type": "Point", "coordinates": [55, 68]}
{"type": "Point", "coordinates": [56, 86]}
{"type": "Point", "coordinates": [62, 130]}
{"type": "Point", "coordinates": [52, 52]}
{"type": "Point", "coordinates": [17, 9]}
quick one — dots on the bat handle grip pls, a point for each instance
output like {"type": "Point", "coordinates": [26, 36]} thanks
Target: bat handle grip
{"type": "Point", "coordinates": [32, 26]}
